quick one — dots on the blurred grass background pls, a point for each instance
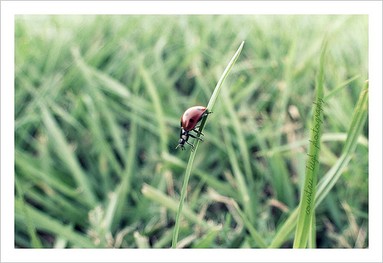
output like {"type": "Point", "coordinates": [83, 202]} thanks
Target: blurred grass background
{"type": "Point", "coordinates": [97, 106]}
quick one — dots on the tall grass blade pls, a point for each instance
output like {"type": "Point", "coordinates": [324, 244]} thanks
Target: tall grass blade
{"type": "Point", "coordinates": [307, 202]}
{"type": "Point", "coordinates": [152, 90]}
{"type": "Point", "coordinates": [189, 166]}
{"type": "Point", "coordinates": [67, 155]}
{"type": "Point", "coordinates": [333, 175]}
{"type": "Point", "coordinates": [357, 123]}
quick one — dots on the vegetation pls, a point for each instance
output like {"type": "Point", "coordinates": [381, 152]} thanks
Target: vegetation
{"type": "Point", "coordinates": [97, 106]}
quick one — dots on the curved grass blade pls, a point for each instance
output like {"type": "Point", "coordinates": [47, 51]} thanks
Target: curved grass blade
{"type": "Point", "coordinates": [333, 175]}
{"type": "Point", "coordinates": [189, 166]}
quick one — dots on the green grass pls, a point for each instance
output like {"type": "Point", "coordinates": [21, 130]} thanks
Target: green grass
{"type": "Point", "coordinates": [97, 106]}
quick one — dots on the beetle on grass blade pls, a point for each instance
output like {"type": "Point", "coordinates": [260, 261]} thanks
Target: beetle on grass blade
{"type": "Point", "coordinates": [189, 121]}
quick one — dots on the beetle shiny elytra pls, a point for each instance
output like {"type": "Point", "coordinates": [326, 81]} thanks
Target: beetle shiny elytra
{"type": "Point", "coordinates": [189, 121]}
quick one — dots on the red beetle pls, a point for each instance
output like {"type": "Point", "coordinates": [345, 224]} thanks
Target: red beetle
{"type": "Point", "coordinates": [189, 121]}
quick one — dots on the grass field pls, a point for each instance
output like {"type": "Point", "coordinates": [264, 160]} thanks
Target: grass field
{"type": "Point", "coordinates": [98, 101]}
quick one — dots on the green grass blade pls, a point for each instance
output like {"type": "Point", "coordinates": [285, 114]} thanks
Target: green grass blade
{"type": "Point", "coordinates": [285, 230]}
{"type": "Point", "coordinates": [33, 172]}
{"type": "Point", "coordinates": [357, 123]}
{"type": "Point", "coordinates": [312, 234]}
{"type": "Point", "coordinates": [157, 196]}
{"type": "Point", "coordinates": [333, 175]}
{"type": "Point", "coordinates": [253, 232]}
{"type": "Point", "coordinates": [32, 231]}
{"type": "Point", "coordinates": [307, 202]}
{"type": "Point", "coordinates": [208, 239]}
{"type": "Point", "coordinates": [67, 155]}
{"type": "Point", "coordinates": [240, 179]}
{"type": "Point", "coordinates": [152, 90]}
{"type": "Point", "coordinates": [340, 87]}
{"type": "Point", "coordinates": [46, 223]}
{"type": "Point", "coordinates": [95, 78]}
{"type": "Point", "coordinates": [189, 166]}
{"type": "Point", "coordinates": [217, 89]}
{"type": "Point", "coordinates": [240, 137]}
{"type": "Point", "coordinates": [221, 187]}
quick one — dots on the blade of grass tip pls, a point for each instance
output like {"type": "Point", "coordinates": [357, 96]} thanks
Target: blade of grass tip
{"type": "Point", "coordinates": [216, 91]}
{"type": "Point", "coordinates": [189, 166]}
{"type": "Point", "coordinates": [307, 202]}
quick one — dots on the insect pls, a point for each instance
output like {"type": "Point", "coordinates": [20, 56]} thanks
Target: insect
{"type": "Point", "coordinates": [189, 121]}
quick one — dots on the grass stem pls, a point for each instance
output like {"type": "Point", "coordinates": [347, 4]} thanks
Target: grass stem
{"type": "Point", "coordinates": [189, 166]}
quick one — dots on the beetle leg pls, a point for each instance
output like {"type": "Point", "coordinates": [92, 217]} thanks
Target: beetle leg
{"type": "Point", "coordinates": [198, 132]}
{"type": "Point", "coordinates": [193, 136]}
{"type": "Point", "coordinates": [206, 113]}
{"type": "Point", "coordinates": [180, 145]}
{"type": "Point", "coordinates": [191, 145]}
